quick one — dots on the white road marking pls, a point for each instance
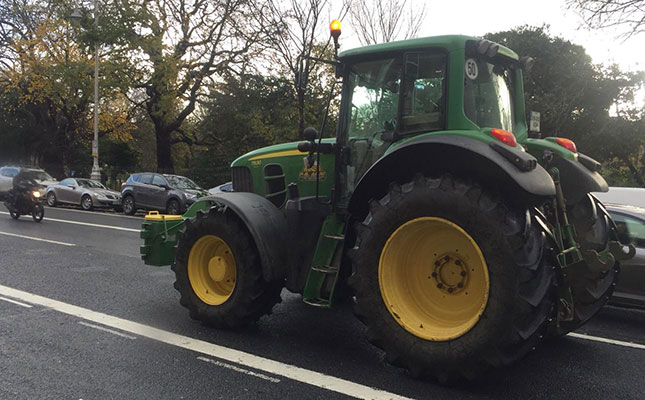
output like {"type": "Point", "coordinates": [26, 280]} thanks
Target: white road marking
{"type": "Point", "coordinates": [118, 228]}
{"type": "Point", "coordinates": [106, 213]}
{"type": "Point", "coordinates": [238, 369]}
{"type": "Point", "coordinates": [39, 239]}
{"type": "Point", "coordinates": [223, 353]}
{"type": "Point", "coordinates": [107, 330]}
{"type": "Point", "coordinates": [16, 302]}
{"type": "Point", "coordinates": [606, 340]}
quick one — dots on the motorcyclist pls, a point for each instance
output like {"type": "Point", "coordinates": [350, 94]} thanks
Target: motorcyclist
{"type": "Point", "coordinates": [23, 183]}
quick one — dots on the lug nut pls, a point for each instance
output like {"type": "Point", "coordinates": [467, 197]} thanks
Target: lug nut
{"type": "Point", "coordinates": [434, 274]}
{"type": "Point", "coordinates": [457, 262]}
{"type": "Point", "coordinates": [440, 285]}
{"type": "Point", "coordinates": [450, 290]}
{"type": "Point", "coordinates": [460, 285]}
{"type": "Point", "coordinates": [437, 263]}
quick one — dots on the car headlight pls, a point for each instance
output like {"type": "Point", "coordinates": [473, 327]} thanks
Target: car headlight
{"type": "Point", "coordinates": [35, 193]}
{"type": "Point", "coordinates": [191, 196]}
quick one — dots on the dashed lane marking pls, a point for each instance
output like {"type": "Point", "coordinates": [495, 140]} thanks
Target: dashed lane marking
{"type": "Point", "coordinates": [38, 239]}
{"type": "Point", "coordinates": [16, 302]}
{"type": "Point", "coordinates": [238, 369]}
{"type": "Point", "coordinates": [606, 340]}
{"type": "Point", "coordinates": [118, 228]}
{"type": "Point", "coordinates": [112, 331]}
{"type": "Point", "coordinates": [238, 357]}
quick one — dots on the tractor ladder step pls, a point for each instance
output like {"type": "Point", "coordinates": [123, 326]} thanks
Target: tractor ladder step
{"type": "Point", "coordinates": [325, 269]}
{"type": "Point", "coordinates": [335, 237]}
{"type": "Point", "coordinates": [317, 302]}
{"type": "Point", "coordinates": [325, 265]}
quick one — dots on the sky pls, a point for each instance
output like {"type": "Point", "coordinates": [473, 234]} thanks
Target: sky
{"type": "Point", "coordinates": [477, 18]}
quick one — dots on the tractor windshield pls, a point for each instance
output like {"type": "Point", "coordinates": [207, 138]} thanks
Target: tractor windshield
{"type": "Point", "coordinates": [488, 100]}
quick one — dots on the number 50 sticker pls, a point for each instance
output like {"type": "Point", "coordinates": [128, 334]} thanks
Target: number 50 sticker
{"type": "Point", "coordinates": [471, 69]}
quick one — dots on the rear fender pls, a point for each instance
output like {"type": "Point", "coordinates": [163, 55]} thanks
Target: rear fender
{"type": "Point", "coordinates": [512, 171]}
{"type": "Point", "coordinates": [265, 222]}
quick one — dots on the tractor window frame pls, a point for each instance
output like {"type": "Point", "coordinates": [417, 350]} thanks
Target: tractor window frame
{"type": "Point", "coordinates": [442, 106]}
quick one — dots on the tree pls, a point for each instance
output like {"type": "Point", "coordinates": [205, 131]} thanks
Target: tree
{"type": "Point", "coordinates": [180, 46]}
{"type": "Point", "coordinates": [378, 21]}
{"type": "Point", "coordinates": [293, 30]}
{"type": "Point", "coordinates": [599, 14]}
{"type": "Point", "coordinates": [47, 77]}
{"type": "Point", "coordinates": [591, 104]}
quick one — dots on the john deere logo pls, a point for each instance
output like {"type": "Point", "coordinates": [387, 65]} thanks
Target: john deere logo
{"type": "Point", "coordinates": [309, 174]}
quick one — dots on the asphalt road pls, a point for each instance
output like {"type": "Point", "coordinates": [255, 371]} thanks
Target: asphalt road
{"type": "Point", "coordinates": [81, 317]}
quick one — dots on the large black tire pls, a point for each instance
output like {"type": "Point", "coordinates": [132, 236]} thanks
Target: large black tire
{"type": "Point", "coordinates": [520, 267]}
{"type": "Point", "coordinates": [129, 206]}
{"type": "Point", "coordinates": [590, 290]}
{"type": "Point", "coordinates": [252, 296]}
{"type": "Point", "coordinates": [14, 214]}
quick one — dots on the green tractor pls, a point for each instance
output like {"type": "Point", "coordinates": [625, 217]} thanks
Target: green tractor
{"type": "Point", "coordinates": [462, 241]}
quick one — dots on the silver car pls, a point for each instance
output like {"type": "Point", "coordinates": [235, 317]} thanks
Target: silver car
{"type": "Point", "coordinates": [84, 192]}
{"type": "Point", "coordinates": [630, 289]}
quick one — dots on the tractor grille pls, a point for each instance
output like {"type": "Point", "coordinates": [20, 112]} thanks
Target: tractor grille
{"type": "Point", "coordinates": [242, 180]}
{"type": "Point", "coordinates": [276, 190]}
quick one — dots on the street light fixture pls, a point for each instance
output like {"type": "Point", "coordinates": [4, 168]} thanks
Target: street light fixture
{"type": "Point", "coordinates": [77, 16]}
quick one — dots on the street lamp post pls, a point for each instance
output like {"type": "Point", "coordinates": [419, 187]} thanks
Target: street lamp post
{"type": "Point", "coordinates": [96, 170]}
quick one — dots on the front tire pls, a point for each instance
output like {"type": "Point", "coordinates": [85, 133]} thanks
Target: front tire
{"type": "Point", "coordinates": [38, 212]}
{"type": "Point", "coordinates": [86, 203]}
{"type": "Point", "coordinates": [219, 274]}
{"type": "Point", "coordinates": [51, 199]}
{"type": "Point", "coordinates": [14, 214]}
{"type": "Point", "coordinates": [450, 280]}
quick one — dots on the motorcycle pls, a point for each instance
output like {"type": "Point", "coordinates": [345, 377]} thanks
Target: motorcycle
{"type": "Point", "coordinates": [25, 202]}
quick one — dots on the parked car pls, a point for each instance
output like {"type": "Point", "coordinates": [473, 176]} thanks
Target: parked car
{"type": "Point", "coordinates": [225, 187]}
{"type": "Point", "coordinates": [630, 196]}
{"type": "Point", "coordinates": [83, 192]}
{"type": "Point", "coordinates": [630, 289]}
{"type": "Point", "coordinates": [171, 194]}
{"type": "Point", "coordinates": [8, 172]}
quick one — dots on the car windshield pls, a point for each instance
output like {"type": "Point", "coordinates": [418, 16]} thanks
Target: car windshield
{"type": "Point", "coordinates": [488, 100]}
{"type": "Point", "coordinates": [40, 175]}
{"type": "Point", "coordinates": [88, 184]}
{"type": "Point", "coordinates": [181, 182]}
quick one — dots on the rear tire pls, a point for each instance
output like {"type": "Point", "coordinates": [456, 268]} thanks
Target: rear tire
{"type": "Point", "coordinates": [592, 289]}
{"type": "Point", "coordinates": [512, 251]}
{"type": "Point", "coordinates": [129, 206]}
{"type": "Point", "coordinates": [14, 214]}
{"type": "Point", "coordinates": [172, 207]}
{"type": "Point", "coordinates": [219, 274]}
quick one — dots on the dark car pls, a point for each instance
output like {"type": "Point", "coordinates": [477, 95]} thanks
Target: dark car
{"type": "Point", "coordinates": [171, 194]}
{"type": "Point", "coordinates": [630, 289]}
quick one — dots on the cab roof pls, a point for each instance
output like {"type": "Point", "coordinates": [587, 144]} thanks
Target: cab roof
{"type": "Point", "coordinates": [448, 42]}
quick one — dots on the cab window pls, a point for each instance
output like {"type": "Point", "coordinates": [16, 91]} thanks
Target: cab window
{"type": "Point", "coordinates": [424, 95]}
{"type": "Point", "coordinates": [67, 182]}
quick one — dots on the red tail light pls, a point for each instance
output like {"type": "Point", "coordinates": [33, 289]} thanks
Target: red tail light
{"type": "Point", "coordinates": [503, 136]}
{"type": "Point", "coordinates": [567, 144]}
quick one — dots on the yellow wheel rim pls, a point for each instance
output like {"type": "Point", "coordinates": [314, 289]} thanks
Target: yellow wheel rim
{"type": "Point", "coordinates": [211, 270]}
{"type": "Point", "coordinates": [433, 279]}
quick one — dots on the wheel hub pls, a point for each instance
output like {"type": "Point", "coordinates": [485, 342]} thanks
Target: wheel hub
{"type": "Point", "coordinates": [450, 273]}
{"type": "Point", "coordinates": [217, 267]}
